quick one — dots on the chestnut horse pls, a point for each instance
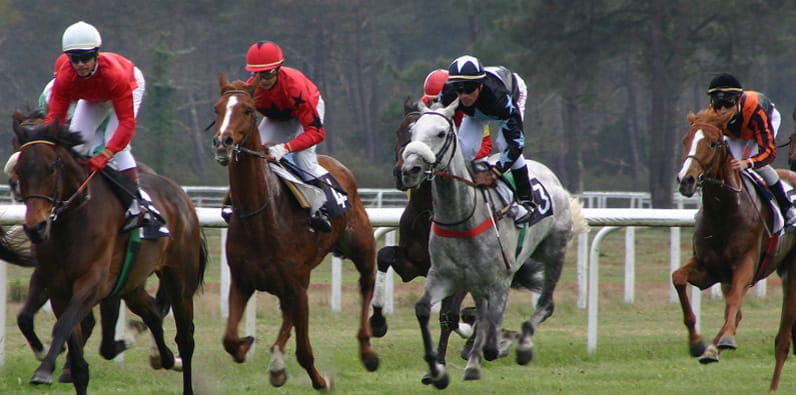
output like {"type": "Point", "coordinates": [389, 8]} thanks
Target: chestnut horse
{"type": "Point", "coordinates": [269, 245]}
{"type": "Point", "coordinates": [73, 220]}
{"type": "Point", "coordinates": [732, 232]}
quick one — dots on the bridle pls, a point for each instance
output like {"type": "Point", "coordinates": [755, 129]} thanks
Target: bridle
{"type": "Point", "coordinates": [720, 144]}
{"type": "Point", "coordinates": [448, 147]}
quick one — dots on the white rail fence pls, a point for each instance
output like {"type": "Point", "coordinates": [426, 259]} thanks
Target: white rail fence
{"type": "Point", "coordinates": [385, 221]}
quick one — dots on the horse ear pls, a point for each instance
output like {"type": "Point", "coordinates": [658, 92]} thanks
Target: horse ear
{"type": "Point", "coordinates": [409, 105]}
{"type": "Point", "coordinates": [451, 108]}
{"type": "Point", "coordinates": [19, 132]}
{"type": "Point", "coordinates": [691, 117]}
{"type": "Point", "coordinates": [421, 106]}
{"type": "Point", "coordinates": [222, 81]}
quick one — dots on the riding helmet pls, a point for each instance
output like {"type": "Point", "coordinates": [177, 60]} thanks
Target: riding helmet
{"type": "Point", "coordinates": [725, 82]}
{"type": "Point", "coordinates": [263, 56]}
{"type": "Point", "coordinates": [466, 68]}
{"type": "Point", "coordinates": [81, 37]}
{"type": "Point", "coordinates": [434, 82]}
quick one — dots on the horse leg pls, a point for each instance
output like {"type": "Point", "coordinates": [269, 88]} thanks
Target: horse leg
{"type": "Point", "coordinates": [690, 273]}
{"type": "Point", "coordinates": [69, 314]}
{"type": "Point", "coordinates": [109, 314]}
{"type": "Point", "coordinates": [483, 328]}
{"type": "Point", "coordinates": [449, 322]}
{"type": "Point", "coordinates": [144, 306]}
{"type": "Point", "coordinates": [386, 258]}
{"type": "Point", "coordinates": [35, 299]}
{"type": "Point", "coordinates": [79, 366]}
{"type": "Point", "coordinates": [364, 265]}
{"type": "Point", "coordinates": [545, 305]}
{"type": "Point", "coordinates": [437, 373]}
{"type": "Point", "coordinates": [276, 368]}
{"type": "Point", "coordinates": [233, 344]}
{"type": "Point", "coordinates": [183, 317]}
{"type": "Point", "coordinates": [733, 298]}
{"type": "Point", "coordinates": [787, 324]}
{"type": "Point", "coordinates": [297, 306]}
{"type": "Point", "coordinates": [86, 327]}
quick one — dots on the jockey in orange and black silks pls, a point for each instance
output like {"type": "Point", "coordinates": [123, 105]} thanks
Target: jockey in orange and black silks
{"type": "Point", "coordinates": [751, 133]}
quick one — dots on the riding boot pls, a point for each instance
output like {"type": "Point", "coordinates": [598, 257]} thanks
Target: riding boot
{"type": "Point", "coordinates": [319, 221]}
{"type": "Point", "coordinates": [146, 215]}
{"type": "Point", "coordinates": [226, 208]}
{"type": "Point", "coordinates": [524, 195]}
{"type": "Point", "coordinates": [785, 205]}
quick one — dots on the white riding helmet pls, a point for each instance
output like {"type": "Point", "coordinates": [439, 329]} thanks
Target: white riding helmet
{"type": "Point", "coordinates": [81, 37]}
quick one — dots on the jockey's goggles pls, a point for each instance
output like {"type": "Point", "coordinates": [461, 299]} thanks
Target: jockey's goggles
{"type": "Point", "coordinates": [723, 99]}
{"type": "Point", "coordinates": [81, 57]}
{"type": "Point", "coordinates": [466, 87]}
{"type": "Point", "coordinates": [268, 74]}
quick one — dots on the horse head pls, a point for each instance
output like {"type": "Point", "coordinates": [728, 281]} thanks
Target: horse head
{"type": "Point", "coordinates": [402, 137]}
{"type": "Point", "coordinates": [236, 118]}
{"type": "Point", "coordinates": [47, 172]}
{"type": "Point", "coordinates": [705, 151]}
{"type": "Point", "coordinates": [432, 144]}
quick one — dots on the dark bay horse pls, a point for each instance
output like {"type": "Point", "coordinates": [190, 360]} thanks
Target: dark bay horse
{"type": "Point", "coordinates": [269, 246]}
{"type": "Point", "coordinates": [73, 220]}
{"type": "Point", "coordinates": [731, 237]}
{"type": "Point", "coordinates": [473, 248]}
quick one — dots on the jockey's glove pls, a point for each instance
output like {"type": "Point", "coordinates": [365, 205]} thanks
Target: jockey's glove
{"type": "Point", "coordinates": [98, 162]}
{"type": "Point", "coordinates": [277, 151]}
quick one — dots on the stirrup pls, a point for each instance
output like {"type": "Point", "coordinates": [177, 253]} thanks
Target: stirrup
{"type": "Point", "coordinates": [530, 209]}
{"type": "Point", "coordinates": [319, 222]}
{"type": "Point", "coordinates": [789, 217]}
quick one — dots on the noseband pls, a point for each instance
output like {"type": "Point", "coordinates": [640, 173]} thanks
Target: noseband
{"type": "Point", "coordinates": [449, 144]}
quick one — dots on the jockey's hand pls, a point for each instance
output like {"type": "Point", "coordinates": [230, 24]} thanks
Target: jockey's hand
{"type": "Point", "coordinates": [276, 151]}
{"type": "Point", "coordinates": [741, 164]}
{"type": "Point", "coordinates": [98, 162]}
{"type": "Point", "coordinates": [485, 179]}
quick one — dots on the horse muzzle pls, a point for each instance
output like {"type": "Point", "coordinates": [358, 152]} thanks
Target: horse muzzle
{"type": "Point", "coordinates": [689, 185]}
{"type": "Point", "coordinates": [38, 233]}
{"type": "Point", "coordinates": [222, 149]}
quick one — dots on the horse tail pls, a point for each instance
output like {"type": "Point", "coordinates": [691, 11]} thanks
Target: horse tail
{"type": "Point", "coordinates": [579, 224]}
{"type": "Point", "coordinates": [14, 251]}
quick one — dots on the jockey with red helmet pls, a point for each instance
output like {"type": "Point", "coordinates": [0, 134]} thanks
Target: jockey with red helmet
{"type": "Point", "coordinates": [750, 134]}
{"type": "Point", "coordinates": [293, 112]}
{"type": "Point", "coordinates": [101, 82]}
{"type": "Point", "coordinates": [432, 86]}
{"type": "Point", "coordinates": [492, 94]}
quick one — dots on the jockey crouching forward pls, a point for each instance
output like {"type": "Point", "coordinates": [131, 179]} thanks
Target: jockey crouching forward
{"type": "Point", "coordinates": [98, 82]}
{"type": "Point", "coordinates": [293, 110]}
{"type": "Point", "coordinates": [484, 95]}
{"type": "Point", "coordinates": [750, 135]}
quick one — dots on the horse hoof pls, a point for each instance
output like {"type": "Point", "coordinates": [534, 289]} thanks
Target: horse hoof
{"type": "Point", "coordinates": [66, 376]}
{"type": "Point", "coordinates": [41, 378]}
{"type": "Point", "coordinates": [371, 364]}
{"type": "Point", "coordinates": [238, 348]}
{"type": "Point", "coordinates": [490, 354]}
{"type": "Point", "coordinates": [378, 325]}
{"type": "Point", "coordinates": [727, 343]}
{"type": "Point", "coordinates": [506, 341]}
{"type": "Point", "coordinates": [177, 364]}
{"type": "Point", "coordinates": [710, 355]}
{"type": "Point", "coordinates": [472, 374]}
{"type": "Point", "coordinates": [278, 378]}
{"type": "Point", "coordinates": [468, 346]}
{"type": "Point", "coordinates": [524, 356]}
{"type": "Point", "coordinates": [697, 349]}
{"type": "Point", "coordinates": [426, 379]}
{"type": "Point", "coordinates": [442, 382]}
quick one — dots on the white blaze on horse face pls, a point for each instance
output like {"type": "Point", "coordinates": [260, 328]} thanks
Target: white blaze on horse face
{"type": "Point", "coordinates": [698, 136]}
{"type": "Point", "coordinates": [231, 103]}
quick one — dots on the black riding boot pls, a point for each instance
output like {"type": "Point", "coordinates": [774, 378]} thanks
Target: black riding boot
{"type": "Point", "coordinates": [319, 221]}
{"type": "Point", "coordinates": [785, 205]}
{"type": "Point", "coordinates": [146, 215]}
{"type": "Point", "coordinates": [524, 194]}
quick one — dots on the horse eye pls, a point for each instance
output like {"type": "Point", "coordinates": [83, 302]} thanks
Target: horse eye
{"type": "Point", "coordinates": [249, 111]}
{"type": "Point", "coordinates": [441, 134]}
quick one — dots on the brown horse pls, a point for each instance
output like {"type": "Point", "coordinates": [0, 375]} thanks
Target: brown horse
{"type": "Point", "coordinates": [269, 246]}
{"type": "Point", "coordinates": [73, 220]}
{"type": "Point", "coordinates": [732, 232]}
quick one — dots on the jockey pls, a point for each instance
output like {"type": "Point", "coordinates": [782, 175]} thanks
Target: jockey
{"type": "Point", "coordinates": [750, 135]}
{"type": "Point", "coordinates": [492, 94]}
{"type": "Point", "coordinates": [432, 87]}
{"type": "Point", "coordinates": [100, 82]}
{"type": "Point", "coordinates": [293, 111]}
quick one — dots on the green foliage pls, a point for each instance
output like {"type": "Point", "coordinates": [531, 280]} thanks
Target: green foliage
{"type": "Point", "coordinates": [158, 137]}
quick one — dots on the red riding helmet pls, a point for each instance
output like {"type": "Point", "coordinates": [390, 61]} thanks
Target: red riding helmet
{"type": "Point", "coordinates": [263, 56]}
{"type": "Point", "coordinates": [435, 80]}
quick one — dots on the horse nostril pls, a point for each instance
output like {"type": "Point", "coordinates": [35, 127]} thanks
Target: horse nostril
{"type": "Point", "coordinates": [228, 141]}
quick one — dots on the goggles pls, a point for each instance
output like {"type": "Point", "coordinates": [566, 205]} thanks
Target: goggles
{"type": "Point", "coordinates": [81, 57]}
{"type": "Point", "coordinates": [724, 99]}
{"type": "Point", "coordinates": [466, 87]}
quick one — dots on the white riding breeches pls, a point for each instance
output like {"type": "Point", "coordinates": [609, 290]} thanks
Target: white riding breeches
{"type": "Point", "coordinates": [283, 131]}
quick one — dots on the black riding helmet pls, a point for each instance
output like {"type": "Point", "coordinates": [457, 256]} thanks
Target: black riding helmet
{"type": "Point", "coordinates": [724, 90]}
{"type": "Point", "coordinates": [466, 74]}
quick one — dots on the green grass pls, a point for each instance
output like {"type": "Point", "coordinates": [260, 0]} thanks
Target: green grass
{"type": "Point", "coordinates": [641, 347]}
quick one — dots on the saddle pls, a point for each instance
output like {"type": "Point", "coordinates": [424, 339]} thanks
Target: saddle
{"type": "Point", "coordinates": [754, 182]}
{"type": "Point", "coordinates": [325, 192]}
{"type": "Point", "coordinates": [505, 188]}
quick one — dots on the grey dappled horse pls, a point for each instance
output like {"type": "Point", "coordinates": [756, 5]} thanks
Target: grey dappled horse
{"type": "Point", "coordinates": [482, 260]}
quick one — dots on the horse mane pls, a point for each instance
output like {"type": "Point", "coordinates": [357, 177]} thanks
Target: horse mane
{"type": "Point", "coordinates": [57, 133]}
{"type": "Point", "coordinates": [710, 116]}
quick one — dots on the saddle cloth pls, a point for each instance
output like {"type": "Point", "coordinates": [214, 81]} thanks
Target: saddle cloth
{"type": "Point", "coordinates": [332, 197]}
{"type": "Point", "coordinates": [754, 182]}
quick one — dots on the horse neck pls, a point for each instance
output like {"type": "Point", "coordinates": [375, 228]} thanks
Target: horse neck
{"type": "Point", "coordinates": [727, 193]}
{"type": "Point", "coordinates": [452, 198]}
{"type": "Point", "coordinates": [251, 181]}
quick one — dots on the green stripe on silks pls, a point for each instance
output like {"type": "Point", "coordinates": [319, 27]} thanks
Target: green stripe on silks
{"type": "Point", "coordinates": [131, 252]}
{"type": "Point", "coordinates": [521, 237]}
